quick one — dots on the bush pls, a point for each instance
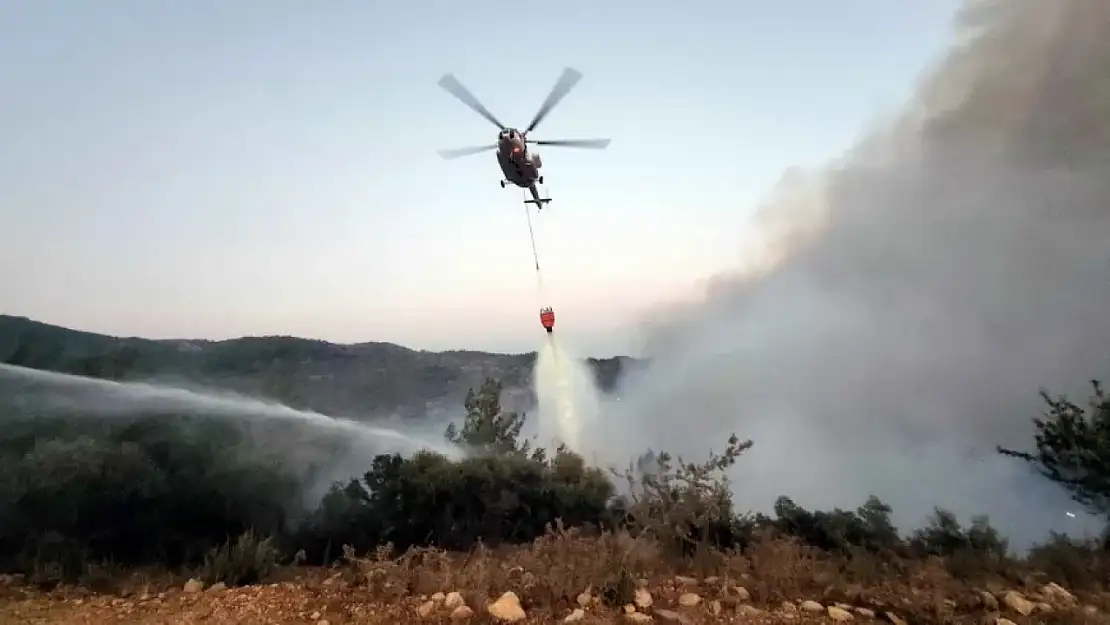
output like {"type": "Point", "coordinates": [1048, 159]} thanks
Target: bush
{"type": "Point", "coordinates": [560, 564]}
{"type": "Point", "coordinates": [684, 505]}
{"type": "Point", "coordinates": [504, 492]}
{"type": "Point", "coordinates": [152, 489]}
{"type": "Point", "coordinates": [246, 561]}
{"type": "Point", "coordinates": [973, 552]}
{"type": "Point", "coordinates": [869, 528]}
{"type": "Point", "coordinates": [430, 500]}
{"type": "Point", "coordinates": [1078, 564]}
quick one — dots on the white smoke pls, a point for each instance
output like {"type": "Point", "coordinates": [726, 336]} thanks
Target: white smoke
{"type": "Point", "coordinates": [904, 306]}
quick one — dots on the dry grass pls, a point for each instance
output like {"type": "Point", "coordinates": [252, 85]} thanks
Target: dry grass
{"type": "Point", "coordinates": [567, 569]}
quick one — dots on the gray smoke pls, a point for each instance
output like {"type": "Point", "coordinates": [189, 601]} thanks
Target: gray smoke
{"type": "Point", "coordinates": [911, 299]}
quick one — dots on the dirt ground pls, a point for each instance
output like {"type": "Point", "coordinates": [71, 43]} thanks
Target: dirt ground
{"type": "Point", "coordinates": [324, 597]}
{"type": "Point", "coordinates": [310, 602]}
{"type": "Point", "coordinates": [564, 579]}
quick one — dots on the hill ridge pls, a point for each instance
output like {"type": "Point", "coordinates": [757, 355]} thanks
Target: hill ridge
{"type": "Point", "coordinates": [376, 378]}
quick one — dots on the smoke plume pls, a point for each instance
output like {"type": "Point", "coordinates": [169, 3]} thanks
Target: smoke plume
{"type": "Point", "coordinates": [905, 305]}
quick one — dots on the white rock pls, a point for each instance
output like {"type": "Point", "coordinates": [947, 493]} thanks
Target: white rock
{"type": "Point", "coordinates": [461, 613]}
{"type": "Point", "coordinates": [575, 616]}
{"type": "Point", "coordinates": [689, 599]}
{"type": "Point", "coordinates": [812, 607]}
{"type": "Point", "coordinates": [507, 608]}
{"type": "Point", "coordinates": [1018, 603]}
{"type": "Point", "coordinates": [426, 609]}
{"type": "Point", "coordinates": [1058, 593]}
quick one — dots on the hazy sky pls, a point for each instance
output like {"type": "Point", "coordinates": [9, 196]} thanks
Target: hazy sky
{"type": "Point", "coordinates": [213, 169]}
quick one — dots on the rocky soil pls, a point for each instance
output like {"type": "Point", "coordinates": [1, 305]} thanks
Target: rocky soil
{"type": "Point", "coordinates": [340, 597]}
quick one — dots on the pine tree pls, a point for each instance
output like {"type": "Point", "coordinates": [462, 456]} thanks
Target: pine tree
{"type": "Point", "coordinates": [487, 428]}
{"type": "Point", "coordinates": [1073, 448]}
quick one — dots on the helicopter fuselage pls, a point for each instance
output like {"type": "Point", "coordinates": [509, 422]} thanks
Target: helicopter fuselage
{"type": "Point", "coordinates": [520, 166]}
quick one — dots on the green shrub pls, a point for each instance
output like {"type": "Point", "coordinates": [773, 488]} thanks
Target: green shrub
{"type": "Point", "coordinates": [248, 560]}
{"type": "Point", "coordinates": [686, 506]}
{"type": "Point", "coordinates": [868, 528]}
{"type": "Point", "coordinates": [972, 552]}
{"type": "Point", "coordinates": [430, 500]}
{"type": "Point", "coordinates": [153, 488]}
{"type": "Point", "coordinates": [1076, 563]}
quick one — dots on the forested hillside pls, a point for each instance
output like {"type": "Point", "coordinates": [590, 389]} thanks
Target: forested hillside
{"type": "Point", "coordinates": [359, 380]}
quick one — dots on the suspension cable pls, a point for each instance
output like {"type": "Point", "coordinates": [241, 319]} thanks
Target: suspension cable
{"type": "Point", "coordinates": [535, 258]}
{"type": "Point", "coordinates": [532, 235]}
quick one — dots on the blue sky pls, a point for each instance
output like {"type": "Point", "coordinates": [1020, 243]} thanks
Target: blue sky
{"type": "Point", "coordinates": [215, 169]}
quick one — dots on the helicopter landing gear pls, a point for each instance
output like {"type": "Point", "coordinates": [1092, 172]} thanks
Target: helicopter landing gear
{"type": "Point", "coordinates": [502, 184]}
{"type": "Point", "coordinates": [541, 179]}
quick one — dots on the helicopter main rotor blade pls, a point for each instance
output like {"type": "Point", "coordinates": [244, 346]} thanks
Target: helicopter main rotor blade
{"type": "Point", "coordinates": [562, 87]}
{"type": "Point", "coordinates": [466, 151]}
{"type": "Point", "coordinates": [456, 88]}
{"type": "Point", "coordinates": [597, 144]}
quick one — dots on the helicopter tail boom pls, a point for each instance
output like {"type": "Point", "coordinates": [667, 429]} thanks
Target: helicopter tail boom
{"type": "Point", "coordinates": [536, 199]}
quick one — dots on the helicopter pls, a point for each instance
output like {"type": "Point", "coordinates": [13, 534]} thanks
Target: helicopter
{"type": "Point", "coordinates": [519, 166]}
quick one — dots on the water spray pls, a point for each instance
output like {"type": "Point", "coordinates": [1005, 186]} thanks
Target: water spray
{"type": "Point", "coordinates": [553, 379]}
{"type": "Point", "coordinates": [553, 373]}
